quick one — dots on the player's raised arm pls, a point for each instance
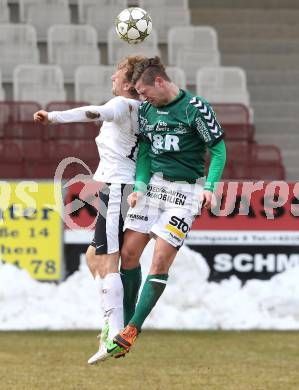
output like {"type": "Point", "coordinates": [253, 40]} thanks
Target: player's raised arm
{"type": "Point", "coordinates": [79, 114]}
{"type": "Point", "coordinates": [41, 117]}
{"type": "Point", "coordinates": [68, 116]}
{"type": "Point", "coordinates": [111, 111]}
{"type": "Point", "coordinates": [114, 110]}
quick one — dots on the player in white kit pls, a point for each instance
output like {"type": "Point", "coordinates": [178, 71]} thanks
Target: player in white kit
{"type": "Point", "coordinates": [118, 145]}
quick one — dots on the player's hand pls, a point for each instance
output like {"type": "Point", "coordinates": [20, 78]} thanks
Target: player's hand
{"type": "Point", "coordinates": [92, 115]}
{"type": "Point", "coordinates": [41, 117]}
{"type": "Point", "coordinates": [134, 197]}
{"type": "Point", "coordinates": [208, 199]}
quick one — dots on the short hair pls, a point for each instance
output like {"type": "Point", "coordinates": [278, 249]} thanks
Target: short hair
{"type": "Point", "coordinates": [129, 63]}
{"type": "Point", "coordinates": [148, 70]}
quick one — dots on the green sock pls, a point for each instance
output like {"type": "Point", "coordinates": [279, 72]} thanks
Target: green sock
{"type": "Point", "coordinates": [131, 279]}
{"type": "Point", "coordinates": [151, 292]}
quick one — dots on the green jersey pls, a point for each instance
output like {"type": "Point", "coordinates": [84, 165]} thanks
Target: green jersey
{"type": "Point", "coordinates": [177, 135]}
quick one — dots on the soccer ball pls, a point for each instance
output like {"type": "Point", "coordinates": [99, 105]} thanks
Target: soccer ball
{"type": "Point", "coordinates": [133, 25]}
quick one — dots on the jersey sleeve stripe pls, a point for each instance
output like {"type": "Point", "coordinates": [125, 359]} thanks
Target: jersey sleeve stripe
{"type": "Point", "coordinates": [208, 115]}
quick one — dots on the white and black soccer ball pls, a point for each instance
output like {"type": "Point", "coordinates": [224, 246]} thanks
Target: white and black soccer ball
{"type": "Point", "coordinates": [133, 25]}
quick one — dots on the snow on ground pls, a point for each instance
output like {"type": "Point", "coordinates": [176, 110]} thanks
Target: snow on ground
{"type": "Point", "coordinates": [189, 301]}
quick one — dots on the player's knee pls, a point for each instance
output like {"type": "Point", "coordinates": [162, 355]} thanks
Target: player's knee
{"type": "Point", "coordinates": [90, 254]}
{"type": "Point", "coordinates": [127, 254]}
{"type": "Point", "coordinates": [129, 258]}
{"type": "Point", "coordinates": [158, 269]}
{"type": "Point", "coordinates": [160, 264]}
{"type": "Point", "coordinates": [92, 262]}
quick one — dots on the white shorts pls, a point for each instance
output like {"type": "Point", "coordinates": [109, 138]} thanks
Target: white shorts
{"type": "Point", "coordinates": [167, 210]}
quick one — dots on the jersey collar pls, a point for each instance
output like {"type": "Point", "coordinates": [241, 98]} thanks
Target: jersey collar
{"type": "Point", "coordinates": [178, 97]}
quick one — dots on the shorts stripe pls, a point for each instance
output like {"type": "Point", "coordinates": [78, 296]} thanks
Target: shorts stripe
{"type": "Point", "coordinates": [175, 231]}
{"type": "Point", "coordinates": [121, 218]}
{"type": "Point", "coordinates": [108, 236]}
{"type": "Point", "coordinates": [100, 237]}
{"type": "Point", "coordinates": [112, 221]}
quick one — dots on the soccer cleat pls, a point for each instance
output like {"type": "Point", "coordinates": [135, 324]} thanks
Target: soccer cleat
{"type": "Point", "coordinates": [105, 330]}
{"type": "Point", "coordinates": [126, 338]}
{"type": "Point", "coordinates": [106, 350]}
{"type": "Point", "coordinates": [102, 336]}
{"type": "Point", "coordinates": [100, 355]}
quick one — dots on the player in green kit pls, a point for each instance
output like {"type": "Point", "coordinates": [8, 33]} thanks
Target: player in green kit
{"type": "Point", "coordinates": [176, 129]}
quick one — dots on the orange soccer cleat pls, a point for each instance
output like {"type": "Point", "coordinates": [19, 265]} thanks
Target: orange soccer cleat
{"type": "Point", "coordinates": [126, 338]}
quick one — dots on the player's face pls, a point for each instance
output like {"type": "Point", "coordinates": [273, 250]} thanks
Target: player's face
{"type": "Point", "coordinates": [154, 94]}
{"type": "Point", "coordinates": [119, 82]}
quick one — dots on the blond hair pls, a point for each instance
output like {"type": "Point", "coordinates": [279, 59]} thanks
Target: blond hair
{"type": "Point", "coordinates": [129, 63]}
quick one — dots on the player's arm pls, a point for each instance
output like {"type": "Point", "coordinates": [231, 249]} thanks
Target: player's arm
{"type": "Point", "coordinates": [217, 164]}
{"type": "Point", "coordinates": [113, 110]}
{"type": "Point", "coordinates": [80, 114]}
{"type": "Point", "coordinates": [143, 165]}
{"type": "Point", "coordinates": [212, 134]}
{"type": "Point", "coordinates": [41, 117]}
{"type": "Point", "coordinates": [143, 171]}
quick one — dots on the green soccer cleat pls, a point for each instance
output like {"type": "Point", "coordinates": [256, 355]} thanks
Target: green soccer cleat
{"type": "Point", "coordinates": [105, 330]}
{"type": "Point", "coordinates": [113, 349]}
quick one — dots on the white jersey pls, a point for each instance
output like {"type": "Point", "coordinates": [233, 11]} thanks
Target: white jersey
{"type": "Point", "coordinates": [117, 141]}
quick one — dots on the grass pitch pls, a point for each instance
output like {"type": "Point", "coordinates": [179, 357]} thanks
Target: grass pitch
{"type": "Point", "coordinates": [160, 360]}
